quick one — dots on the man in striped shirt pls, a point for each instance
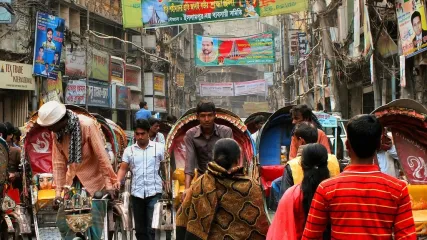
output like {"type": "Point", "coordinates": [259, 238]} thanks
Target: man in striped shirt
{"type": "Point", "coordinates": [362, 202]}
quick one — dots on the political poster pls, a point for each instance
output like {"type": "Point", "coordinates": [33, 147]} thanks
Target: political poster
{"type": "Point", "coordinates": [131, 13]}
{"type": "Point", "coordinates": [52, 90]}
{"type": "Point", "coordinates": [49, 36]}
{"type": "Point", "coordinates": [165, 13]}
{"type": "Point", "coordinates": [75, 93]}
{"type": "Point", "coordinates": [254, 49]}
{"type": "Point", "coordinates": [75, 62]}
{"type": "Point", "coordinates": [123, 97]}
{"type": "Point", "coordinates": [412, 22]}
{"type": "Point", "coordinates": [278, 7]}
{"type": "Point", "coordinates": [224, 89]}
{"type": "Point", "coordinates": [255, 87]}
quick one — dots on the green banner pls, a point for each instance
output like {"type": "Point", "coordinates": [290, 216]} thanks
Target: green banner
{"type": "Point", "coordinates": [277, 7]}
{"type": "Point", "coordinates": [254, 49]}
{"type": "Point", "coordinates": [157, 13]}
{"type": "Point", "coordinates": [131, 12]}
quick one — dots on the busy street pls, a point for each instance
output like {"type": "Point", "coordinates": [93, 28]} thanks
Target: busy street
{"type": "Point", "coordinates": [213, 119]}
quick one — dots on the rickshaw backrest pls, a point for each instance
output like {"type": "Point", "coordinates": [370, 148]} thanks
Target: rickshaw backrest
{"type": "Point", "coordinates": [38, 147]}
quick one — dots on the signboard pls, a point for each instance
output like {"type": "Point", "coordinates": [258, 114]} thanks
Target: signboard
{"type": "Point", "coordinates": [180, 79]}
{"type": "Point", "coordinates": [99, 94]}
{"type": "Point", "coordinates": [216, 89]}
{"type": "Point", "coordinates": [75, 62]}
{"type": "Point", "coordinates": [5, 16]}
{"type": "Point", "coordinates": [412, 22]}
{"type": "Point", "coordinates": [75, 93]}
{"type": "Point", "coordinates": [269, 78]}
{"type": "Point", "coordinates": [131, 12]}
{"type": "Point", "coordinates": [52, 90]}
{"type": "Point", "coordinates": [99, 67]}
{"type": "Point", "coordinates": [159, 104]}
{"type": "Point", "coordinates": [133, 77]}
{"type": "Point", "coordinates": [167, 13]}
{"type": "Point", "coordinates": [278, 7]}
{"type": "Point", "coordinates": [122, 96]}
{"type": "Point", "coordinates": [117, 70]}
{"type": "Point", "coordinates": [49, 36]}
{"type": "Point", "coordinates": [327, 121]}
{"type": "Point", "coordinates": [159, 85]}
{"type": "Point", "coordinates": [254, 49]}
{"type": "Point", "coordinates": [250, 87]}
{"type": "Point", "coordinates": [16, 76]}
{"type": "Point", "coordinates": [135, 99]}
{"type": "Point", "coordinates": [413, 158]}
{"type": "Point", "coordinates": [293, 47]}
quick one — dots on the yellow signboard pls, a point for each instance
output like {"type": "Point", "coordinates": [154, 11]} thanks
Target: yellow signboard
{"type": "Point", "coordinates": [132, 13]}
{"type": "Point", "coordinates": [277, 7]}
{"type": "Point", "coordinates": [180, 79]}
{"type": "Point", "coordinates": [16, 76]}
{"type": "Point", "coordinates": [159, 84]}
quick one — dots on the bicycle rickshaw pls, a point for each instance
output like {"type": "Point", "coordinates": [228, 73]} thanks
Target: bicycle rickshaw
{"type": "Point", "coordinates": [249, 122]}
{"type": "Point", "coordinates": [79, 214]}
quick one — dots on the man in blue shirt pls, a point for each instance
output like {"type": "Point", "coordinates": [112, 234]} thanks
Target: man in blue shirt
{"type": "Point", "coordinates": [143, 113]}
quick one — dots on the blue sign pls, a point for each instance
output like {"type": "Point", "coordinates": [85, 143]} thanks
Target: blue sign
{"type": "Point", "coordinates": [99, 94]}
{"type": "Point", "coordinates": [327, 121]}
{"type": "Point", "coordinates": [48, 45]}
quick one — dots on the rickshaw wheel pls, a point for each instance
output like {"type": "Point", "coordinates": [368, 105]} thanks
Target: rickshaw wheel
{"type": "Point", "coordinates": [119, 232]}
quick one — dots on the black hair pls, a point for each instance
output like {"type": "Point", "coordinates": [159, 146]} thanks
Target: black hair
{"type": "Point", "coordinates": [171, 119]}
{"type": "Point", "coordinates": [120, 124]}
{"type": "Point", "coordinates": [305, 111]}
{"type": "Point", "coordinates": [142, 104]}
{"type": "Point", "coordinates": [57, 53]}
{"type": "Point", "coordinates": [141, 124]}
{"type": "Point", "coordinates": [3, 130]}
{"type": "Point", "coordinates": [226, 152]}
{"type": "Point", "coordinates": [9, 128]}
{"type": "Point", "coordinates": [306, 131]}
{"type": "Point", "coordinates": [259, 119]}
{"type": "Point", "coordinates": [49, 30]}
{"type": "Point", "coordinates": [41, 48]}
{"type": "Point", "coordinates": [364, 135]}
{"type": "Point", "coordinates": [414, 15]}
{"type": "Point", "coordinates": [17, 133]}
{"type": "Point", "coordinates": [314, 162]}
{"type": "Point", "coordinates": [153, 121]}
{"type": "Point", "coordinates": [205, 106]}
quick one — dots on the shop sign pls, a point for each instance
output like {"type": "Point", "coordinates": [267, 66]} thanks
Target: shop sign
{"type": "Point", "coordinates": [16, 76]}
{"type": "Point", "coordinates": [122, 95]}
{"type": "Point", "coordinates": [99, 94]}
{"type": "Point", "coordinates": [159, 104]}
{"type": "Point", "coordinates": [159, 85]}
{"type": "Point", "coordinates": [75, 93]}
{"type": "Point", "coordinates": [99, 67]}
{"type": "Point", "coordinates": [75, 62]}
{"type": "Point", "coordinates": [117, 70]}
{"type": "Point", "coordinates": [180, 79]}
{"type": "Point", "coordinates": [133, 78]}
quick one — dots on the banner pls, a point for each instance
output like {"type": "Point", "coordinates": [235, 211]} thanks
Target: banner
{"type": "Point", "coordinates": [117, 70]}
{"type": "Point", "coordinates": [293, 47]}
{"type": "Point", "coordinates": [412, 22]}
{"type": "Point", "coordinates": [254, 49]}
{"type": "Point", "coordinates": [122, 96]}
{"type": "Point", "coordinates": [49, 36]}
{"type": "Point", "coordinates": [75, 93]}
{"type": "Point", "coordinates": [159, 85]}
{"type": "Point", "coordinates": [160, 104]}
{"type": "Point", "coordinates": [402, 71]}
{"type": "Point", "coordinates": [157, 13]}
{"type": "Point", "coordinates": [216, 89]}
{"type": "Point", "coordinates": [99, 94]}
{"type": "Point", "coordinates": [180, 79]}
{"type": "Point", "coordinates": [16, 76]}
{"type": "Point", "coordinates": [278, 7]}
{"type": "Point", "coordinates": [131, 12]}
{"type": "Point", "coordinates": [100, 65]}
{"type": "Point", "coordinates": [250, 87]}
{"type": "Point", "coordinates": [367, 32]}
{"type": "Point", "coordinates": [75, 62]}
{"type": "Point", "coordinates": [269, 78]}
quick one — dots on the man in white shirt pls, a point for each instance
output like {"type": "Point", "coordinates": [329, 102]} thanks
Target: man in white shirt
{"type": "Point", "coordinates": [154, 133]}
{"type": "Point", "coordinates": [143, 159]}
{"type": "Point", "coordinates": [387, 155]}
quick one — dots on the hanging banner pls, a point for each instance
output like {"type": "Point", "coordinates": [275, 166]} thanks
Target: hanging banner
{"type": "Point", "coordinates": [412, 22]}
{"type": "Point", "coordinates": [100, 68]}
{"type": "Point", "coordinates": [99, 94]}
{"type": "Point", "coordinates": [216, 89]}
{"type": "Point", "coordinates": [372, 67]}
{"type": "Point", "coordinates": [123, 94]}
{"type": "Point", "coordinates": [75, 93]}
{"type": "Point", "coordinates": [278, 7]}
{"type": "Point", "coordinates": [159, 85]}
{"type": "Point", "coordinates": [159, 104]}
{"type": "Point", "coordinates": [254, 49]}
{"type": "Point", "coordinates": [367, 33]}
{"type": "Point", "coordinates": [356, 28]}
{"type": "Point", "coordinates": [250, 87]}
{"type": "Point", "coordinates": [117, 70]}
{"type": "Point", "coordinates": [402, 71]}
{"type": "Point", "coordinates": [16, 76]}
{"type": "Point", "coordinates": [75, 62]}
{"type": "Point", "coordinates": [131, 12]}
{"type": "Point", "coordinates": [167, 13]}
{"type": "Point", "coordinates": [180, 79]}
{"type": "Point", "coordinates": [293, 47]}
{"type": "Point", "coordinates": [49, 36]}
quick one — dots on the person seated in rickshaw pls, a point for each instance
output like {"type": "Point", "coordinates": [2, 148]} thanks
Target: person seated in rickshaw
{"type": "Point", "coordinates": [78, 157]}
{"type": "Point", "coordinates": [387, 155]}
{"type": "Point", "coordinates": [200, 140]}
{"type": "Point", "coordinates": [305, 133]}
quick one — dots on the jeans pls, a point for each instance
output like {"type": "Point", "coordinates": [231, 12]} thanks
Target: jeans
{"type": "Point", "coordinates": [143, 209]}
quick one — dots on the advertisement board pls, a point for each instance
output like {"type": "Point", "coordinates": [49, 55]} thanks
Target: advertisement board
{"type": "Point", "coordinates": [75, 93]}
{"type": "Point", "coordinates": [99, 94]}
{"type": "Point", "coordinates": [160, 104]}
{"type": "Point", "coordinates": [16, 76]}
{"type": "Point", "coordinates": [99, 68]}
{"type": "Point", "coordinates": [117, 70]}
{"type": "Point", "coordinates": [159, 84]}
{"type": "Point", "coordinates": [133, 77]}
{"type": "Point", "coordinates": [49, 36]}
{"type": "Point", "coordinates": [216, 89]}
{"type": "Point", "coordinates": [123, 97]}
{"type": "Point", "coordinates": [75, 62]}
{"type": "Point", "coordinates": [257, 87]}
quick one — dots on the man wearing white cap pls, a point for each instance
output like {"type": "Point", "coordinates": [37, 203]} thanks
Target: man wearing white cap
{"type": "Point", "coordinates": [78, 150]}
{"type": "Point", "coordinates": [207, 54]}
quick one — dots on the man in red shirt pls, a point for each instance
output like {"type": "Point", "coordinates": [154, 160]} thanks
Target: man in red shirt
{"type": "Point", "coordinates": [362, 202]}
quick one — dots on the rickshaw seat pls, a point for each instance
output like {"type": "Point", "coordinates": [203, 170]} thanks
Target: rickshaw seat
{"type": "Point", "coordinates": [419, 207]}
{"type": "Point", "coordinates": [268, 175]}
{"type": "Point", "coordinates": [47, 194]}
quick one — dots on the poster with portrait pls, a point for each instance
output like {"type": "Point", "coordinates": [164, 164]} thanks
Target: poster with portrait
{"type": "Point", "coordinates": [49, 36]}
{"type": "Point", "coordinates": [412, 22]}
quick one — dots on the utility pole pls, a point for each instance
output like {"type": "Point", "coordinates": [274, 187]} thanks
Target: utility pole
{"type": "Point", "coordinates": [87, 56]}
{"type": "Point", "coordinates": [285, 57]}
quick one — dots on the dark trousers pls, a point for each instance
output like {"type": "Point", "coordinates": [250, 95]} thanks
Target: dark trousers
{"type": "Point", "coordinates": [143, 209]}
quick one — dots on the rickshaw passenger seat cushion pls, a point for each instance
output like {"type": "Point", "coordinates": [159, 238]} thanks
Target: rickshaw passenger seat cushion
{"type": "Point", "coordinates": [269, 174]}
{"type": "Point", "coordinates": [179, 175]}
{"type": "Point", "coordinates": [418, 197]}
{"type": "Point", "coordinates": [46, 194]}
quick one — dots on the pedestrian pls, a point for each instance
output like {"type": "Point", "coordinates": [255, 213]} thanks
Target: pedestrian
{"type": "Point", "coordinates": [302, 113]}
{"type": "Point", "coordinates": [291, 215]}
{"type": "Point", "coordinates": [14, 157]}
{"type": "Point", "coordinates": [223, 203]}
{"type": "Point", "coordinates": [200, 140]}
{"type": "Point", "coordinates": [362, 202]}
{"type": "Point", "coordinates": [143, 159]}
{"type": "Point", "coordinates": [154, 133]}
{"type": "Point", "coordinates": [143, 113]}
{"type": "Point", "coordinates": [259, 122]}
{"type": "Point", "coordinates": [4, 159]}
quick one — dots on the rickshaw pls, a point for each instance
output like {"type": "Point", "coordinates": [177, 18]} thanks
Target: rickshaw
{"type": "Point", "coordinates": [407, 121]}
{"type": "Point", "coordinates": [249, 121]}
{"type": "Point", "coordinates": [37, 158]}
{"type": "Point", "coordinates": [165, 128]}
{"type": "Point", "coordinates": [175, 147]}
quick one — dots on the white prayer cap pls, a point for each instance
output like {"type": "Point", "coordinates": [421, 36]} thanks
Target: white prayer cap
{"type": "Point", "coordinates": [50, 113]}
{"type": "Point", "coordinates": [207, 39]}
